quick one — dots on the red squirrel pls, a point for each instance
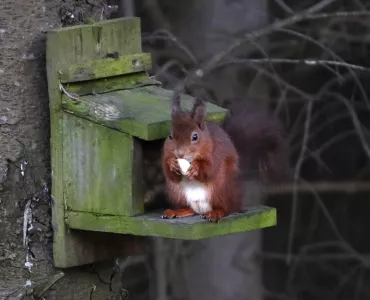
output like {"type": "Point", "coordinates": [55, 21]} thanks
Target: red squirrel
{"type": "Point", "coordinates": [217, 154]}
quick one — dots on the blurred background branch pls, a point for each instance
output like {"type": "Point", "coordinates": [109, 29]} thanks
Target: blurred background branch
{"type": "Point", "coordinates": [308, 61]}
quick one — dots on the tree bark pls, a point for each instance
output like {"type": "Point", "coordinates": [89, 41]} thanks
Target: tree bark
{"type": "Point", "coordinates": [25, 233]}
{"type": "Point", "coordinates": [25, 228]}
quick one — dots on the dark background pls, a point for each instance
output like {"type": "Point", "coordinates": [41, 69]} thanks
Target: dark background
{"type": "Point", "coordinates": [318, 250]}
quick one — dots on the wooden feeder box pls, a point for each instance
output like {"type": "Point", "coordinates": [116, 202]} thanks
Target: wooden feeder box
{"type": "Point", "coordinates": [105, 113]}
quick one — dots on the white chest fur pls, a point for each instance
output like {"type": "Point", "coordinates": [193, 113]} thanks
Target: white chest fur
{"type": "Point", "coordinates": [197, 196]}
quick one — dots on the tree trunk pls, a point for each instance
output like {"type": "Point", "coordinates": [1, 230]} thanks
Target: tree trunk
{"type": "Point", "coordinates": [25, 228]}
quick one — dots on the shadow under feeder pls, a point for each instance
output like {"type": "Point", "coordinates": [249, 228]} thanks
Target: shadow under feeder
{"type": "Point", "coordinates": [108, 118]}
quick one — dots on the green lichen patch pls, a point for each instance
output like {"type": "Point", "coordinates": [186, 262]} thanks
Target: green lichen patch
{"type": "Point", "coordinates": [106, 67]}
{"type": "Point", "coordinates": [105, 85]}
{"type": "Point", "coordinates": [65, 47]}
{"type": "Point", "coordinates": [99, 166]}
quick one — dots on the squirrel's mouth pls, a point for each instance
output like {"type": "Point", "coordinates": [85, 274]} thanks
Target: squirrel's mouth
{"type": "Point", "coordinates": [189, 159]}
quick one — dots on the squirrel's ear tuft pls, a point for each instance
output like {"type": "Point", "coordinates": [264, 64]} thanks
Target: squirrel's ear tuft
{"type": "Point", "coordinates": [176, 102]}
{"type": "Point", "coordinates": [198, 112]}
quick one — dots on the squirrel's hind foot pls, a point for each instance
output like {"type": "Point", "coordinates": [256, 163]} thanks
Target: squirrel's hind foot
{"type": "Point", "coordinates": [177, 213]}
{"type": "Point", "coordinates": [214, 216]}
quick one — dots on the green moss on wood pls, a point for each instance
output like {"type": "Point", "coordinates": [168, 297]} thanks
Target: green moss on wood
{"type": "Point", "coordinates": [143, 112]}
{"type": "Point", "coordinates": [191, 228]}
{"type": "Point", "coordinates": [106, 67]}
{"type": "Point", "coordinates": [104, 85]}
{"type": "Point", "coordinates": [65, 47]}
{"type": "Point", "coordinates": [84, 43]}
{"type": "Point", "coordinates": [98, 166]}
{"type": "Point", "coordinates": [98, 170]}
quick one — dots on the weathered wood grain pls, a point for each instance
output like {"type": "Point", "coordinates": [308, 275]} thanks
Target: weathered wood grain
{"type": "Point", "coordinates": [143, 112]}
{"type": "Point", "coordinates": [106, 67]}
{"type": "Point", "coordinates": [104, 85]}
{"type": "Point", "coordinates": [190, 228]}
{"type": "Point", "coordinates": [99, 165]}
{"type": "Point", "coordinates": [65, 47]}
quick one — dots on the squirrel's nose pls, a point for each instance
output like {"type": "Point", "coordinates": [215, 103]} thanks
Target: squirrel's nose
{"type": "Point", "coordinates": [180, 153]}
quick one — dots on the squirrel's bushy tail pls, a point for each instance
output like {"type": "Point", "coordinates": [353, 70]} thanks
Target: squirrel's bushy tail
{"type": "Point", "coordinates": [260, 141]}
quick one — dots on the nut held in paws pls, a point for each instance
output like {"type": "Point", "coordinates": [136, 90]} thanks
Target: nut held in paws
{"type": "Point", "coordinates": [184, 165]}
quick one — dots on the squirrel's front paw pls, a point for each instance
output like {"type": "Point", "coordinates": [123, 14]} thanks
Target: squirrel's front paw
{"type": "Point", "coordinates": [174, 166]}
{"type": "Point", "coordinates": [193, 170]}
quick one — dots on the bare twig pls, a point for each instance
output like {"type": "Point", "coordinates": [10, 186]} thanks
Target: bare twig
{"type": "Point", "coordinates": [296, 177]}
{"type": "Point", "coordinates": [320, 187]}
{"type": "Point", "coordinates": [338, 35]}
{"type": "Point", "coordinates": [278, 79]}
{"type": "Point", "coordinates": [163, 34]}
{"type": "Point", "coordinates": [333, 54]}
{"type": "Point", "coordinates": [359, 284]}
{"type": "Point", "coordinates": [342, 135]}
{"type": "Point", "coordinates": [312, 258]}
{"type": "Point", "coordinates": [354, 270]}
{"type": "Point", "coordinates": [208, 66]}
{"type": "Point", "coordinates": [324, 112]}
{"type": "Point", "coordinates": [314, 247]}
{"type": "Point", "coordinates": [156, 13]}
{"type": "Point", "coordinates": [345, 244]}
{"type": "Point", "coordinates": [359, 4]}
{"type": "Point", "coordinates": [355, 120]}
{"type": "Point", "coordinates": [265, 54]}
{"type": "Point", "coordinates": [168, 64]}
{"type": "Point", "coordinates": [305, 61]}
{"type": "Point", "coordinates": [338, 14]}
{"type": "Point", "coordinates": [315, 42]}
{"type": "Point", "coordinates": [284, 6]}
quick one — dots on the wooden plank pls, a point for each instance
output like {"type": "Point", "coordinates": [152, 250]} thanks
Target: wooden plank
{"type": "Point", "coordinates": [104, 85]}
{"type": "Point", "coordinates": [143, 112]}
{"type": "Point", "coordinates": [106, 67]}
{"type": "Point", "coordinates": [64, 47]}
{"type": "Point", "coordinates": [190, 228]}
{"type": "Point", "coordinates": [136, 200]}
{"type": "Point", "coordinates": [98, 165]}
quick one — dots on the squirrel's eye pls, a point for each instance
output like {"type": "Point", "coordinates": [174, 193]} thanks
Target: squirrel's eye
{"type": "Point", "coordinates": [170, 135]}
{"type": "Point", "coordinates": [194, 137]}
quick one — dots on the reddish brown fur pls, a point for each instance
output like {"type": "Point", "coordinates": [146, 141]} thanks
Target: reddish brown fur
{"type": "Point", "coordinates": [215, 163]}
{"type": "Point", "coordinates": [260, 141]}
{"type": "Point", "coordinates": [178, 213]}
{"type": "Point", "coordinates": [249, 133]}
{"type": "Point", "coordinates": [214, 215]}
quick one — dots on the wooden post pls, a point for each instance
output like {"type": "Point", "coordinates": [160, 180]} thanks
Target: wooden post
{"type": "Point", "coordinates": [66, 47]}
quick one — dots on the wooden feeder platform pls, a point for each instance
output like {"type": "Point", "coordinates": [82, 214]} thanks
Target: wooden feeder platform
{"type": "Point", "coordinates": [188, 228]}
{"type": "Point", "coordinates": [104, 109]}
